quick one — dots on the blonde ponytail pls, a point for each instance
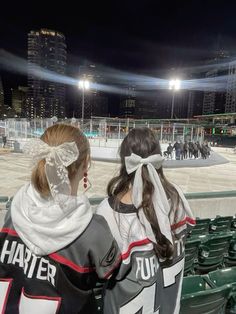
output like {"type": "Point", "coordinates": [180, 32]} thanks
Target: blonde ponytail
{"type": "Point", "coordinates": [55, 136]}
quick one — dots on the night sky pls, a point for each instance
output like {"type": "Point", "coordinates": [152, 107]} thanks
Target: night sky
{"type": "Point", "coordinates": [138, 36]}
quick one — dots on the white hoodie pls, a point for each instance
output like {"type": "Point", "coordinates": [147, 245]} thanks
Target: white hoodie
{"type": "Point", "coordinates": [43, 225]}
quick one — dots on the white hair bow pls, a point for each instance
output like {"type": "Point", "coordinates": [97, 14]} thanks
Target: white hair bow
{"type": "Point", "coordinates": [159, 199]}
{"type": "Point", "coordinates": [57, 159]}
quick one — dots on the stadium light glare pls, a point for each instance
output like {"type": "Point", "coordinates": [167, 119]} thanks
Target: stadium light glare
{"type": "Point", "coordinates": [83, 85]}
{"type": "Point", "coordinates": [174, 85]}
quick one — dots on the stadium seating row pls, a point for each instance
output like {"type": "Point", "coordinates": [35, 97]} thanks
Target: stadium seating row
{"type": "Point", "coordinates": [211, 293]}
{"type": "Point", "coordinates": [210, 252]}
{"type": "Point", "coordinates": [216, 225]}
{"type": "Point", "coordinates": [214, 293]}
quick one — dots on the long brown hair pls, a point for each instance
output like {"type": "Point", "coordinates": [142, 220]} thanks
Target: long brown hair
{"type": "Point", "coordinates": [54, 136]}
{"type": "Point", "coordinates": [143, 142]}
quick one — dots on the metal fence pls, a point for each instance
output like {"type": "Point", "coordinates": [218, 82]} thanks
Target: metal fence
{"type": "Point", "coordinates": [105, 128]}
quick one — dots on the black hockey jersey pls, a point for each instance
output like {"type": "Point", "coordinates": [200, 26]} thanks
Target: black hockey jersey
{"type": "Point", "coordinates": [61, 282]}
{"type": "Point", "coordinates": [144, 283]}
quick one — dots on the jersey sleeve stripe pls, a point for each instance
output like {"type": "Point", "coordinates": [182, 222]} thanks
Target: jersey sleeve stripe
{"type": "Point", "coordinates": [62, 260]}
{"type": "Point", "coordinates": [188, 220]}
{"type": "Point", "coordinates": [133, 244]}
{"type": "Point", "coordinates": [9, 231]}
{"type": "Point", "coordinates": [41, 297]}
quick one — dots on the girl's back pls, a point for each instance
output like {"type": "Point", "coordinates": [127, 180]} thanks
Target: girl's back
{"type": "Point", "coordinates": [145, 284]}
{"type": "Point", "coordinates": [53, 248]}
{"type": "Point", "coordinates": [61, 282]}
{"type": "Point", "coordinates": [151, 237]}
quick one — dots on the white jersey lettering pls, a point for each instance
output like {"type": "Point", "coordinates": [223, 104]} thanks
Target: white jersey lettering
{"type": "Point", "coordinates": [10, 252]}
{"type": "Point", "coordinates": [179, 246]}
{"type": "Point", "coordinates": [17, 254]}
{"type": "Point", "coordinates": [146, 267]}
{"type": "Point", "coordinates": [28, 256]}
{"type": "Point", "coordinates": [42, 269]}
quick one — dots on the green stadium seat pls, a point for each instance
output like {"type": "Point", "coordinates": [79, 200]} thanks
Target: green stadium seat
{"type": "Point", "coordinates": [224, 219]}
{"type": "Point", "coordinates": [220, 224]}
{"type": "Point", "coordinates": [201, 227]}
{"type": "Point", "coordinates": [233, 224]}
{"type": "Point", "coordinates": [200, 221]}
{"type": "Point", "coordinates": [212, 252]}
{"type": "Point", "coordinates": [191, 254]}
{"type": "Point", "coordinates": [223, 277]}
{"type": "Point", "coordinates": [199, 298]}
{"type": "Point", "coordinates": [214, 228]}
{"type": "Point", "coordinates": [193, 284]}
{"type": "Point", "coordinates": [230, 259]}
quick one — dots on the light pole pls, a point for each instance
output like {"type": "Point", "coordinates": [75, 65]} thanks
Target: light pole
{"type": "Point", "coordinates": [83, 85]}
{"type": "Point", "coordinates": [174, 85]}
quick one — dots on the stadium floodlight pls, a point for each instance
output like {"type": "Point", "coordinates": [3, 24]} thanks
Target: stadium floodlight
{"type": "Point", "coordinates": [174, 85]}
{"type": "Point", "coordinates": [83, 85]}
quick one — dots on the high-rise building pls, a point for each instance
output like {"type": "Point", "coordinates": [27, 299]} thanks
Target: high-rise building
{"type": "Point", "coordinates": [195, 103]}
{"type": "Point", "coordinates": [190, 104]}
{"type": "Point", "coordinates": [230, 105]}
{"type": "Point", "coordinates": [1, 98]}
{"type": "Point", "coordinates": [214, 102]}
{"type": "Point", "coordinates": [47, 51]}
{"type": "Point", "coordinates": [181, 104]}
{"type": "Point", "coordinates": [128, 101]}
{"type": "Point", "coordinates": [194, 97]}
{"type": "Point", "coordinates": [19, 100]}
{"type": "Point", "coordinates": [146, 108]}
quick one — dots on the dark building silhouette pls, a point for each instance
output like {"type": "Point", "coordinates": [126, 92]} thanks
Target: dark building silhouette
{"type": "Point", "coordinates": [1, 99]}
{"type": "Point", "coordinates": [214, 101]}
{"type": "Point", "coordinates": [19, 100]}
{"type": "Point", "coordinates": [47, 51]}
{"type": "Point", "coordinates": [230, 105]}
{"type": "Point", "coordinates": [95, 101]}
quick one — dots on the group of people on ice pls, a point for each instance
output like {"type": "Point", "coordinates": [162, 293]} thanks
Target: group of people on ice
{"type": "Point", "coordinates": [187, 150]}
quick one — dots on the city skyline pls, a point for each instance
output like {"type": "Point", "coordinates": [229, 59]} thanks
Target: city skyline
{"type": "Point", "coordinates": [185, 103]}
{"type": "Point", "coordinates": [127, 41]}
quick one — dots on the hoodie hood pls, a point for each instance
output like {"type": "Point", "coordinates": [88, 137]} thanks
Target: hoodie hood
{"type": "Point", "coordinates": [43, 225]}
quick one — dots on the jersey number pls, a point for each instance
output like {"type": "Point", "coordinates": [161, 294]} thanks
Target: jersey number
{"type": "Point", "coordinates": [141, 303]}
{"type": "Point", "coordinates": [28, 303]}
{"type": "Point", "coordinates": [170, 273]}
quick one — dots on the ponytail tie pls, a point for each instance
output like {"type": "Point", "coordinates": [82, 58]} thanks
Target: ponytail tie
{"type": "Point", "coordinates": [134, 163]}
